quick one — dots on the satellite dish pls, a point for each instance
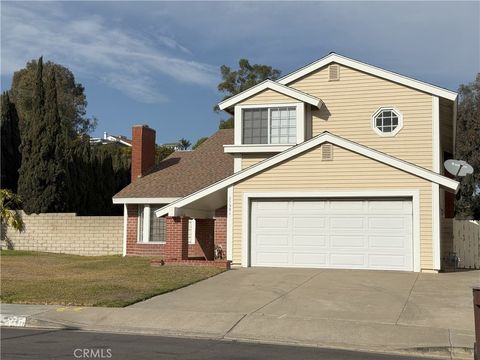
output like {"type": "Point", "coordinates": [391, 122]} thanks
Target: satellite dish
{"type": "Point", "coordinates": [458, 167]}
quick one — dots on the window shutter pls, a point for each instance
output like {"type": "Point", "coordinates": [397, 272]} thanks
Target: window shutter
{"type": "Point", "coordinates": [327, 152]}
{"type": "Point", "coordinates": [334, 72]}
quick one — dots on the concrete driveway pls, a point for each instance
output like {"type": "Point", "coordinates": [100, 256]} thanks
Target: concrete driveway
{"type": "Point", "coordinates": [373, 310]}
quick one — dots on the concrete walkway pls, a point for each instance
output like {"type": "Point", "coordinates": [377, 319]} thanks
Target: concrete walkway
{"type": "Point", "coordinates": [384, 311]}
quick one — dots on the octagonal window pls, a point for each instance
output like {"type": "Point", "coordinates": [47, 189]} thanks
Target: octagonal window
{"type": "Point", "coordinates": [387, 121]}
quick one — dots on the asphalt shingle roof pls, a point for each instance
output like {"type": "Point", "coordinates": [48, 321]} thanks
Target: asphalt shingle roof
{"type": "Point", "coordinates": [184, 172]}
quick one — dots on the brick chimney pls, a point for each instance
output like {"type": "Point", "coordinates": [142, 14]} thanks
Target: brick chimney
{"type": "Point", "coordinates": [143, 150]}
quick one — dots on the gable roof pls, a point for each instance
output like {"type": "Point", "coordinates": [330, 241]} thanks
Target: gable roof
{"type": "Point", "coordinates": [182, 173]}
{"type": "Point", "coordinates": [275, 86]}
{"type": "Point", "coordinates": [369, 69]}
{"type": "Point", "coordinates": [324, 137]}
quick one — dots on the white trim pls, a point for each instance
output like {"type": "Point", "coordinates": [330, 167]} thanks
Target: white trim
{"type": "Point", "coordinates": [393, 109]}
{"type": "Point", "coordinates": [300, 126]}
{"type": "Point", "coordinates": [237, 161]}
{"type": "Point", "coordinates": [275, 86]}
{"type": "Point", "coordinates": [300, 123]}
{"type": "Point", "coordinates": [411, 193]}
{"type": "Point", "coordinates": [436, 134]}
{"type": "Point", "coordinates": [192, 213]}
{"type": "Point", "coordinates": [146, 223]}
{"type": "Point", "coordinates": [151, 200]}
{"type": "Point", "coordinates": [261, 148]}
{"type": "Point", "coordinates": [230, 223]}
{"type": "Point", "coordinates": [192, 231]}
{"type": "Point", "coordinates": [436, 226]}
{"type": "Point", "coordinates": [237, 139]}
{"type": "Point", "coordinates": [125, 224]}
{"type": "Point", "coordinates": [455, 105]}
{"type": "Point", "coordinates": [307, 145]}
{"type": "Point", "coordinates": [369, 69]}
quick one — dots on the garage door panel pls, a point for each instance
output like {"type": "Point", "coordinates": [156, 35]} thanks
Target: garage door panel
{"type": "Point", "coordinates": [380, 261]}
{"type": "Point", "coordinates": [309, 259]}
{"type": "Point", "coordinates": [347, 241]}
{"type": "Point", "coordinates": [388, 242]}
{"type": "Point", "coordinates": [272, 240]}
{"type": "Point", "coordinates": [386, 207]}
{"type": "Point", "coordinates": [346, 205]}
{"type": "Point", "coordinates": [272, 205]}
{"type": "Point", "coordinates": [272, 258]}
{"type": "Point", "coordinates": [272, 222]}
{"type": "Point", "coordinates": [347, 260]}
{"type": "Point", "coordinates": [308, 205]}
{"type": "Point", "coordinates": [344, 223]}
{"type": "Point", "coordinates": [315, 241]}
{"type": "Point", "coordinates": [387, 223]}
{"type": "Point", "coordinates": [352, 234]}
{"type": "Point", "coordinates": [309, 223]}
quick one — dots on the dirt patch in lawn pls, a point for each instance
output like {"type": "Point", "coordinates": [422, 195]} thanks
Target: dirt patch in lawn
{"type": "Point", "coordinates": [44, 278]}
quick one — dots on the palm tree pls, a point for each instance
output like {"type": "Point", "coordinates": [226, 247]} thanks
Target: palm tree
{"type": "Point", "coordinates": [184, 144]}
{"type": "Point", "coordinates": [9, 215]}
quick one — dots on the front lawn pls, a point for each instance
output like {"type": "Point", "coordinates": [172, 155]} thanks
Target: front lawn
{"type": "Point", "coordinates": [44, 278]}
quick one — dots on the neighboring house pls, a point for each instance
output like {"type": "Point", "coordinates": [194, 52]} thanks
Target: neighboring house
{"type": "Point", "coordinates": [336, 165]}
{"type": "Point", "coordinates": [111, 139]}
{"type": "Point", "coordinates": [174, 146]}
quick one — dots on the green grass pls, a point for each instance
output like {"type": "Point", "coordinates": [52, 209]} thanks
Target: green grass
{"type": "Point", "coordinates": [43, 278]}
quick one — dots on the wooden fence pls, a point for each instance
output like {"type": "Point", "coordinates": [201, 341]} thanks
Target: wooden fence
{"type": "Point", "coordinates": [466, 243]}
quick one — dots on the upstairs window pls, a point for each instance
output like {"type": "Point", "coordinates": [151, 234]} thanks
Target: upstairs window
{"type": "Point", "coordinates": [387, 121]}
{"type": "Point", "coordinates": [276, 125]}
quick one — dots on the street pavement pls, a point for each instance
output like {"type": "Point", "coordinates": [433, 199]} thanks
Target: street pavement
{"type": "Point", "coordinates": [23, 344]}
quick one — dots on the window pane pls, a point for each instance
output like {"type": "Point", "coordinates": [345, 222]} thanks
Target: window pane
{"type": "Point", "coordinates": [255, 126]}
{"type": "Point", "coordinates": [283, 131]}
{"type": "Point", "coordinates": [157, 226]}
{"type": "Point", "coordinates": [140, 223]}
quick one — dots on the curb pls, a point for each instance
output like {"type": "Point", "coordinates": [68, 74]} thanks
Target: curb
{"type": "Point", "coordinates": [12, 320]}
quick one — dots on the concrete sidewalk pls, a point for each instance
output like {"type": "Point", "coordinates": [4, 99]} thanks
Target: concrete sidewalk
{"type": "Point", "coordinates": [396, 312]}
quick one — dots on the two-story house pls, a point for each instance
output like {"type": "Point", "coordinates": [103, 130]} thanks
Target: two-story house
{"type": "Point", "coordinates": [336, 165]}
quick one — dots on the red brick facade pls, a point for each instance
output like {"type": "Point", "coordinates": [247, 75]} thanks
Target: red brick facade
{"type": "Point", "coordinates": [133, 247]}
{"type": "Point", "coordinates": [209, 232]}
{"type": "Point", "coordinates": [176, 246]}
{"type": "Point", "coordinates": [220, 232]}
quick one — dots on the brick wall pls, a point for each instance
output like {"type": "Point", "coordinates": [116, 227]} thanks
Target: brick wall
{"type": "Point", "coordinates": [134, 248]}
{"type": "Point", "coordinates": [204, 237]}
{"type": "Point", "coordinates": [69, 234]}
{"type": "Point", "coordinates": [209, 232]}
{"type": "Point", "coordinates": [221, 229]}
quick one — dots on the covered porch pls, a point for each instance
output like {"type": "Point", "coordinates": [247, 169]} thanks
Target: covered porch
{"type": "Point", "coordinates": [196, 234]}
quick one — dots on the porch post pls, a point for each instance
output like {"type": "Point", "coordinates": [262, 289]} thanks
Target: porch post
{"type": "Point", "coordinates": [176, 244]}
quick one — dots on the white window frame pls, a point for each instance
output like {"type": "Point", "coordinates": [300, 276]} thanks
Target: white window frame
{"type": "Point", "coordinates": [396, 112]}
{"type": "Point", "coordinates": [192, 231]}
{"type": "Point", "coordinates": [146, 217]}
{"type": "Point", "coordinates": [299, 122]}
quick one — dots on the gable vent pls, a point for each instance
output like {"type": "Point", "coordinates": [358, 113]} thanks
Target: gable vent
{"type": "Point", "coordinates": [327, 152]}
{"type": "Point", "coordinates": [334, 72]}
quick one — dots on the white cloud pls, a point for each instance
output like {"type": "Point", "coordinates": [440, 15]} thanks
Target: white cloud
{"type": "Point", "coordinates": [120, 57]}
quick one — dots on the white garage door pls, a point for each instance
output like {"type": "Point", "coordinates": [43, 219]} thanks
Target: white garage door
{"type": "Point", "coordinates": [347, 234]}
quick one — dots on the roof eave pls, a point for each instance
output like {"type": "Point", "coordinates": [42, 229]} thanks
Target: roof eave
{"type": "Point", "coordinates": [228, 104]}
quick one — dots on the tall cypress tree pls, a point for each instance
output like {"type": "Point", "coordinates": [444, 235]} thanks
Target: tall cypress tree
{"type": "Point", "coordinates": [10, 139]}
{"type": "Point", "coordinates": [42, 173]}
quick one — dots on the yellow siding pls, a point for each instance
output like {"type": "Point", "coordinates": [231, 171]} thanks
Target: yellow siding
{"type": "Point", "coordinates": [268, 97]}
{"type": "Point", "coordinates": [350, 103]}
{"type": "Point", "coordinates": [252, 159]}
{"type": "Point", "coordinates": [446, 125]}
{"type": "Point", "coordinates": [347, 172]}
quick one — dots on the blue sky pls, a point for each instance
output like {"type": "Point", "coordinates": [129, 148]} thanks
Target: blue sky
{"type": "Point", "coordinates": [158, 62]}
